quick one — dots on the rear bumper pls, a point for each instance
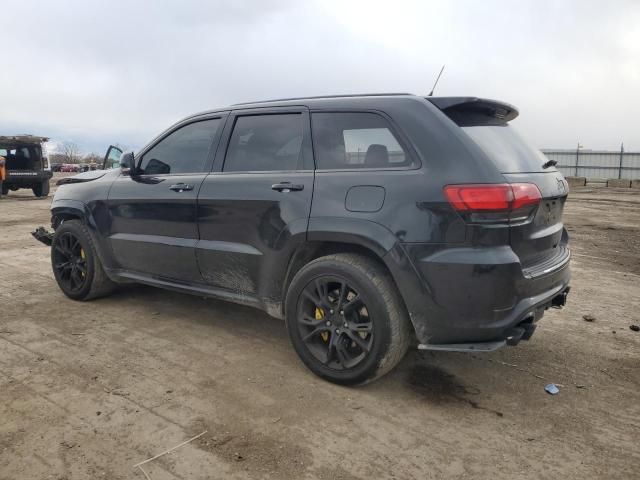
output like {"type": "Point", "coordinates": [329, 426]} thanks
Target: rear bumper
{"type": "Point", "coordinates": [478, 295]}
{"type": "Point", "coordinates": [26, 179]}
{"type": "Point", "coordinates": [522, 329]}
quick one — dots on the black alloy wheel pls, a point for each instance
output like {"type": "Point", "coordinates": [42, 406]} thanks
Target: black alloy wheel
{"type": "Point", "coordinates": [345, 318]}
{"type": "Point", "coordinates": [70, 262]}
{"type": "Point", "coordinates": [334, 323]}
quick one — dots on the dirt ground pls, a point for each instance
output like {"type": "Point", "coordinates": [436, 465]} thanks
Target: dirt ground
{"type": "Point", "coordinates": [87, 390]}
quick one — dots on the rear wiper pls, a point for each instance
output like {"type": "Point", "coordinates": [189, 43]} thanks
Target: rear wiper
{"type": "Point", "coordinates": [549, 163]}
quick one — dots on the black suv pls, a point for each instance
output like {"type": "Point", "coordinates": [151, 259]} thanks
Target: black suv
{"type": "Point", "coordinates": [366, 222]}
{"type": "Point", "coordinates": [25, 164]}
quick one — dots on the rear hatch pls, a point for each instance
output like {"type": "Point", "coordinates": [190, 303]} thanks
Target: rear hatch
{"type": "Point", "coordinates": [538, 237]}
{"type": "Point", "coordinates": [23, 155]}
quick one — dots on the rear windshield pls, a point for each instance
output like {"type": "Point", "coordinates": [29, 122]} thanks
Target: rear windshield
{"type": "Point", "coordinates": [21, 157]}
{"type": "Point", "coordinates": [507, 149]}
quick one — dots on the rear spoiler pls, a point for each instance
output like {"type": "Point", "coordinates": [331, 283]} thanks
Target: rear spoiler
{"type": "Point", "coordinates": [468, 111]}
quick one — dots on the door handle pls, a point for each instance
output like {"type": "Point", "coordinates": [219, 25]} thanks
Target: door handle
{"type": "Point", "coordinates": [286, 187]}
{"type": "Point", "coordinates": [181, 187]}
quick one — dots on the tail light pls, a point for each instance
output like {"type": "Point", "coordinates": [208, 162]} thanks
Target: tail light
{"type": "Point", "coordinates": [486, 203]}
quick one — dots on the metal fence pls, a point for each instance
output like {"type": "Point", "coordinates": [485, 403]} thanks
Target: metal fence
{"type": "Point", "coordinates": [596, 164]}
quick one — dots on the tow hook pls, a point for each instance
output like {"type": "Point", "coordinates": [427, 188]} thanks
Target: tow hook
{"type": "Point", "coordinates": [42, 235]}
{"type": "Point", "coordinates": [560, 300]}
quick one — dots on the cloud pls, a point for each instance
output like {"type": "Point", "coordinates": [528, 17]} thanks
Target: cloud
{"type": "Point", "coordinates": [102, 72]}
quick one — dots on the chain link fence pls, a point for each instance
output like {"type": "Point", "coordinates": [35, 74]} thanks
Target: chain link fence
{"type": "Point", "coordinates": [596, 164]}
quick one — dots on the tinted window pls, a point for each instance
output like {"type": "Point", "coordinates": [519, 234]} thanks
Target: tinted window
{"type": "Point", "coordinates": [507, 149]}
{"type": "Point", "coordinates": [21, 158]}
{"type": "Point", "coordinates": [355, 140]}
{"type": "Point", "coordinates": [183, 151]}
{"type": "Point", "coordinates": [262, 143]}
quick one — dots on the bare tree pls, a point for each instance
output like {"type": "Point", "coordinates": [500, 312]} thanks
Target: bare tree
{"type": "Point", "coordinates": [92, 158]}
{"type": "Point", "coordinates": [70, 152]}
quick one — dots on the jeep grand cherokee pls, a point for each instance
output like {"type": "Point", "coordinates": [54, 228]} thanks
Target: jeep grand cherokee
{"type": "Point", "coordinates": [368, 223]}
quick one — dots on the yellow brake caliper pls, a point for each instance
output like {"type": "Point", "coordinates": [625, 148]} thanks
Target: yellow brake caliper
{"type": "Point", "coordinates": [320, 316]}
{"type": "Point", "coordinates": [83, 256]}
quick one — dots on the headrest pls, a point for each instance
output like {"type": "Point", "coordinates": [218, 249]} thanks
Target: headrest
{"type": "Point", "coordinates": [377, 156]}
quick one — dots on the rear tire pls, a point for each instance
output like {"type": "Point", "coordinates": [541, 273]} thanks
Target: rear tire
{"type": "Point", "coordinates": [42, 189]}
{"type": "Point", "coordinates": [76, 264]}
{"type": "Point", "coordinates": [354, 340]}
{"type": "Point", "coordinates": [5, 190]}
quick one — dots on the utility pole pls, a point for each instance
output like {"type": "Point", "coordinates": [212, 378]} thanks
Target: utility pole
{"type": "Point", "coordinates": [577, 157]}
{"type": "Point", "coordinates": [621, 157]}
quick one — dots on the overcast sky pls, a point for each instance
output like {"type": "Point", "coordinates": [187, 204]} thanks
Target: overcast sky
{"type": "Point", "coordinates": [121, 71]}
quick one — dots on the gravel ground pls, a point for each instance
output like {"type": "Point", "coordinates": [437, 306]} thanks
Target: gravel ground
{"type": "Point", "coordinates": [87, 390]}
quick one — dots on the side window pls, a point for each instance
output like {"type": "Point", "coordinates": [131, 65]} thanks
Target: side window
{"type": "Point", "coordinates": [183, 151]}
{"type": "Point", "coordinates": [355, 140]}
{"type": "Point", "coordinates": [262, 143]}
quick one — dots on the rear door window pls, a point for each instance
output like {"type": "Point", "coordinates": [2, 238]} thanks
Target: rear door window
{"type": "Point", "coordinates": [264, 143]}
{"type": "Point", "coordinates": [347, 140]}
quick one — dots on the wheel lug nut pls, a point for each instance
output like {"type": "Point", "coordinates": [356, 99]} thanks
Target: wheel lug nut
{"type": "Point", "coordinates": [337, 330]}
{"type": "Point", "coordinates": [342, 312]}
{"type": "Point", "coordinates": [331, 312]}
{"type": "Point", "coordinates": [328, 323]}
{"type": "Point", "coordinates": [346, 325]}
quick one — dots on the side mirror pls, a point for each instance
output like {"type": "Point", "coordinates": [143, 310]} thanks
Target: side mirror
{"type": "Point", "coordinates": [128, 163]}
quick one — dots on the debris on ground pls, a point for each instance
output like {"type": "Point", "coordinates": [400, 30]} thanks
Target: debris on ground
{"type": "Point", "coordinates": [552, 389]}
{"type": "Point", "coordinates": [589, 318]}
{"type": "Point", "coordinates": [119, 392]}
{"type": "Point", "coordinates": [139, 465]}
{"type": "Point", "coordinates": [635, 328]}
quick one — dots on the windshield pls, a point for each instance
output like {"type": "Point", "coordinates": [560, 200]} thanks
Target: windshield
{"type": "Point", "coordinates": [510, 152]}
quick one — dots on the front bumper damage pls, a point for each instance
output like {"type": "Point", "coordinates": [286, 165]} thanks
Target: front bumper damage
{"type": "Point", "coordinates": [43, 235]}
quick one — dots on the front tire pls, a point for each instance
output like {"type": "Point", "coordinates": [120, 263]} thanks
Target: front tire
{"type": "Point", "coordinates": [346, 319]}
{"type": "Point", "coordinates": [76, 265]}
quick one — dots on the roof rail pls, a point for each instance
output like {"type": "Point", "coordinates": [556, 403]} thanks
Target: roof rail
{"type": "Point", "coordinates": [325, 96]}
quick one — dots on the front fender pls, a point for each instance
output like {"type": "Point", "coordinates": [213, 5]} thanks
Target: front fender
{"type": "Point", "coordinates": [68, 208]}
{"type": "Point", "coordinates": [94, 217]}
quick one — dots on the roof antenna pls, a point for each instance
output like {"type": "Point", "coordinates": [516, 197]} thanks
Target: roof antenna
{"type": "Point", "coordinates": [434, 85]}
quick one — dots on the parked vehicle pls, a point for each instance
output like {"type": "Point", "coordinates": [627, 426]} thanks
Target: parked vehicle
{"type": "Point", "coordinates": [369, 223]}
{"type": "Point", "coordinates": [70, 167]}
{"type": "Point", "coordinates": [26, 164]}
